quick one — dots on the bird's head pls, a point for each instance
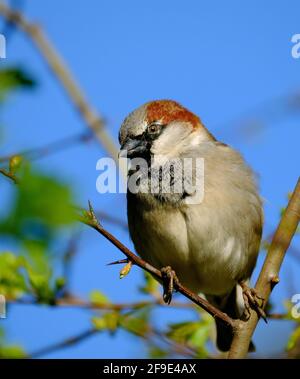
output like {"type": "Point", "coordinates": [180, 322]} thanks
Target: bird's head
{"type": "Point", "coordinates": [161, 127]}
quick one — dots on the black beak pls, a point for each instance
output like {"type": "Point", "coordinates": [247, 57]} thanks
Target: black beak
{"type": "Point", "coordinates": [133, 148]}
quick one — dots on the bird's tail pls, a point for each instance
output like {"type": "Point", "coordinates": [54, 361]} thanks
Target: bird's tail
{"type": "Point", "coordinates": [233, 306]}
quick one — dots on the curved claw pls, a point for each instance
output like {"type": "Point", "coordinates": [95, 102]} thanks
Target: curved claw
{"type": "Point", "coordinates": [168, 278]}
{"type": "Point", "coordinates": [251, 299]}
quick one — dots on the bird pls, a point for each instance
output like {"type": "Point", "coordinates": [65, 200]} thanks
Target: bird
{"type": "Point", "coordinates": [209, 236]}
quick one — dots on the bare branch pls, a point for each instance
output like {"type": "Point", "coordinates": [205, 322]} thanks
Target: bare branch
{"type": "Point", "coordinates": [176, 347]}
{"type": "Point", "coordinates": [9, 175]}
{"type": "Point", "coordinates": [51, 148]}
{"type": "Point", "coordinates": [279, 316]}
{"type": "Point", "coordinates": [268, 277]}
{"type": "Point", "coordinates": [65, 343]}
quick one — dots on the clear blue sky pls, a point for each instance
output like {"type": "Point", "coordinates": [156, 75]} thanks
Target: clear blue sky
{"type": "Point", "coordinates": [226, 61]}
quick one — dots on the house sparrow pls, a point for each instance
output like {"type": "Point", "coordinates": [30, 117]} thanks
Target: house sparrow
{"type": "Point", "coordinates": [212, 243]}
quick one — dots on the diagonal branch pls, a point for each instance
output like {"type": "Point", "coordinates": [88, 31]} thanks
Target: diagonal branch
{"type": "Point", "coordinates": [268, 277]}
{"type": "Point", "coordinates": [65, 343]}
{"type": "Point", "coordinates": [91, 220]}
{"type": "Point", "coordinates": [9, 175]}
{"type": "Point", "coordinates": [50, 148]}
{"type": "Point", "coordinates": [59, 68]}
{"type": "Point", "coordinates": [175, 347]}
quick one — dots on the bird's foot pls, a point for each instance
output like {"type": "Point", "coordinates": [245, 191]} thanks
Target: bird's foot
{"type": "Point", "coordinates": [252, 300]}
{"type": "Point", "coordinates": [169, 278]}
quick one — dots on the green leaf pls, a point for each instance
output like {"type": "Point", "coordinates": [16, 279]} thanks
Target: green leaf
{"type": "Point", "coordinates": [289, 307]}
{"type": "Point", "coordinates": [15, 163]}
{"type": "Point", "coordinates": [108, 321]}
{"type": "Point", "coordinates": [180, 332]}
{"type": "Point", "coordinates": [12, 281]}
{"type": "Point", "coordinates": [112, 320]}
{"type": "Point", "coordinates": [12, 352]}
{"type": "Point", "coordinates": [156, 352]}
{"type": "Point", "coordinates": [293, 338]}
{"type": "Point", "coordinates": [32, 275]}
{"type": "Point", "coordinates": [99, 323]}
{"type": "Point", "coordinates": [98, 298]}
{"type": "Point", "coordinates": [42, 205]}
{"type": "Point", "coordinates": [135, 325]}
{"type": "Point", "coordinates": [194, 334]}
{"type": "Point", "coordinates": [150, 285]}
{"type": "Point", "coordinates": [59, 283]}
{"type": "Point", "coordinates": [40, 273]}
{"type": "Point", "coordinates": [200, 336]}
{"type": "Point", "coordinates": [40, 287]}
{"type": "Point", "coordinates": [13, 78]}
{"type": "Point", "coordinates": [38, 259]}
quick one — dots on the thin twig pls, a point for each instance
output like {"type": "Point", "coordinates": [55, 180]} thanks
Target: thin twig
{"type": "Point", "coordinates": [68, 258]}
{"type": "Point", "coordinates": [9, 175]}
{"type": "Point", "coordinates": [51, 148]}
{"type": "Point", "coordinates": [92, 221]}
{"type": "Point", "coordinates": [176, 347]}
{"type": "Point", "coordinates": [279, 316]}
{"type": "Point", "coordinates": [70, 301]}
{"type": "Point", "coordinates": [65, 343]}
{"type": "Point", "coordinates": [62, 73]}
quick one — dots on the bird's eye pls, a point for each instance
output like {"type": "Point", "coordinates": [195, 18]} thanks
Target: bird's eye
{"type": "Point", "coordinates": [154, 128]}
